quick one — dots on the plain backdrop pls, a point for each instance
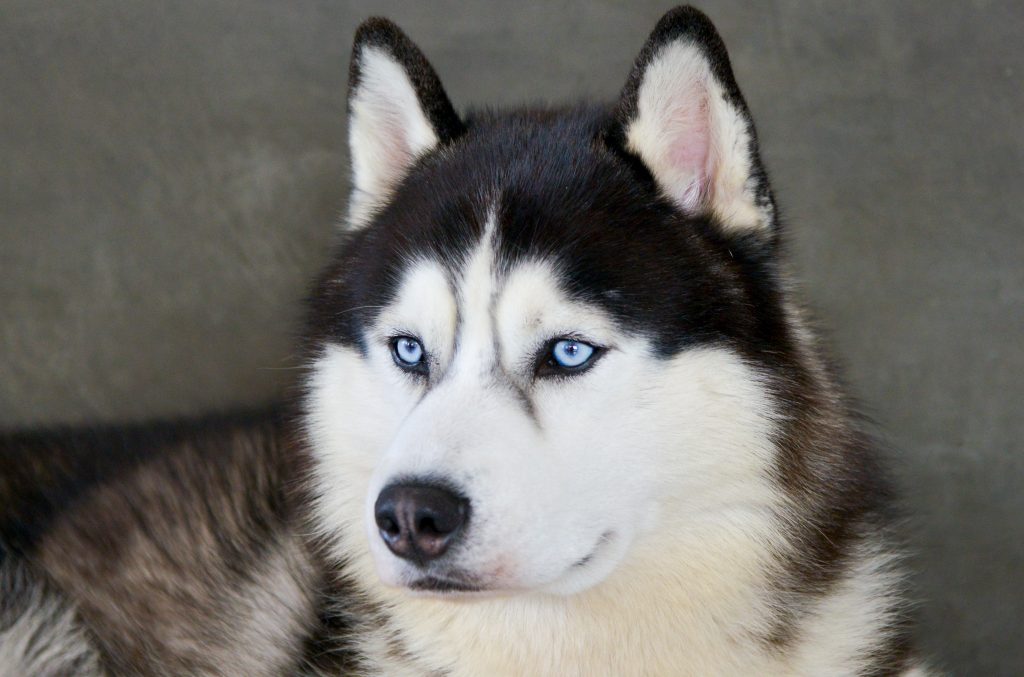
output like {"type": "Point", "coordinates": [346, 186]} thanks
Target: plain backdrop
{"type": "Point", "coordinates": [172, 173]}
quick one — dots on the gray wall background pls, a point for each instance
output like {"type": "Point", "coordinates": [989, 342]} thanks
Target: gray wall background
{"type": "Point", "coordinates": [171, 171]}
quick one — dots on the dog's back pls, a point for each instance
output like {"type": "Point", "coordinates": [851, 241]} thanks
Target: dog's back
{"type": "Point", "coordinates": [165, 549]}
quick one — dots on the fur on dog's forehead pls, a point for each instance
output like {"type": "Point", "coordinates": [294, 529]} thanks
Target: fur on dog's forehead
{"type": "Point", "coordinates": [556, 192]}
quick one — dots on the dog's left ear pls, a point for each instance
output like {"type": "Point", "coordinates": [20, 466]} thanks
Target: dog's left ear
{"type": "Point", "coordinates": [398, 111]}
{"type": "Point", "coordinates": [683, 116]}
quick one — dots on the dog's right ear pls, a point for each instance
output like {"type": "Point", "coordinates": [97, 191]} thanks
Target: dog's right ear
{"type": "Point", "coordinates": [397, 112]}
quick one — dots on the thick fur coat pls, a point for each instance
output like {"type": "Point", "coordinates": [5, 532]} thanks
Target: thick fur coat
{"type": "Point", "coordinates": [562, 415]}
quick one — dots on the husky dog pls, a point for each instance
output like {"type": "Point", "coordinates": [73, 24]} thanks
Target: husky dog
{"type": "Point", "coordinates": [562, 416]}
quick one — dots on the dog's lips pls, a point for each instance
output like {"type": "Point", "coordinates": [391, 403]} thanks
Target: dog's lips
{"type": "Point", "coordinates": [602, 541]}
{"type": "Point", "coordinates": [453, 587]}
{"type": "Point", "coordinates": [449, 584]}
{"type": "Point", "coordinates": [456, 582]}
{"type": "Point", "coordinates": [444, 585]}
{"type": "Point", "coordinates": [497, 578]}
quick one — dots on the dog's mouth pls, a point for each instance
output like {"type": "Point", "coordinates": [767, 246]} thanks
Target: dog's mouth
{"type": "Point", "coordinates": [460, 584]}
{"type": "Point", "coordinates": [596, 550]}
{"type": "Point", "coordinates": [445, 586]}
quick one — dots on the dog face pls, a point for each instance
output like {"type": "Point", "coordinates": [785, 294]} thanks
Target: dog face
{"type": "Point", "coordinates": [537, 351]}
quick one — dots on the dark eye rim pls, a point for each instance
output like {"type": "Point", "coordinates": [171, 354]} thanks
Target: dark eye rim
{"type": "Point", "coordinates": [420, 368]}
{"type": "Point", "coordinates": [545, 365]}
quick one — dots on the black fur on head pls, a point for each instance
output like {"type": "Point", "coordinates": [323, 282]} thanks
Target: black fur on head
{"type": "Point", "coordinates": [565, 189]}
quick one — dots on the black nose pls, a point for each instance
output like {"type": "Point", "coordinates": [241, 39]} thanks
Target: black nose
{"type": "Point", "coordinates": [420, 521]}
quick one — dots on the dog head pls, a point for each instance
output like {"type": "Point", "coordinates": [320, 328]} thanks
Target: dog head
{"type": "Point", "coordinates": [536, 353]}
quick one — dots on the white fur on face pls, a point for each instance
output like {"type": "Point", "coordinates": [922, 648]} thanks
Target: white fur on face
{"type": "Point", "coordinates": [634, 501]}
{"type": "Point", "coordinates": [388, 130]}
{"type": "Point", "coordinates": [694, 142]}
{"type": "Point", "coordinates": [564, 475]}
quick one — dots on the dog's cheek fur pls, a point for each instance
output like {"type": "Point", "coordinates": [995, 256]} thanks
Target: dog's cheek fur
{"type": "Point", "coordinates": [352, 413]}
{"type": "Point", "coordinates": [692, 446]}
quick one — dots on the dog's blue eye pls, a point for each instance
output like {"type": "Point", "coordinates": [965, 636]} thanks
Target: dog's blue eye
{"type": "Point", "coordinates": [408, 351]}
{"type": "Point", "coordinates": [570, 354]}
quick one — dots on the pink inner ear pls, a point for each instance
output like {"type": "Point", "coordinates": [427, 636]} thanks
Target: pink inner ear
{"type": "Point", "coordinates": [393, 146]}
{"type": "Point", "coordinates": [689, 140]}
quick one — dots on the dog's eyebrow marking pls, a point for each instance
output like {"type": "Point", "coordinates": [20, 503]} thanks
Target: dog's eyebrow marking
{"type": "Point", "coordinates": [453, 285]}
{"type": "Point", "coordinates": [477, 342]}
{"type": "Point", "coordinates": [424, 306]}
